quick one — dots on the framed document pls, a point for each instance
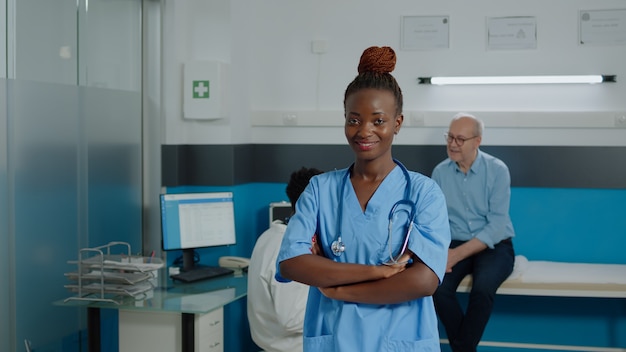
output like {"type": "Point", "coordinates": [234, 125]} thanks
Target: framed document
{"type": "Point", "coordinates": [517, 32]}
{"type": "Point", "coordinates": [425, 32]}
{"type": "Point", "coordinates": [602, 27]}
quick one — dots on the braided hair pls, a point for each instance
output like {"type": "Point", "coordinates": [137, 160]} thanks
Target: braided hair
{"type": "Point", "coordinates": [298, 182]}
{"type": "Point", "coordinates": [375, 69]}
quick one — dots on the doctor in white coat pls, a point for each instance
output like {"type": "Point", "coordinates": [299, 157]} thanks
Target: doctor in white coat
{"type": "Point", "coordinates": [276, 310]}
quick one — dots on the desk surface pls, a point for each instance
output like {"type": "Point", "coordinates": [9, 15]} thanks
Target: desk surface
{"type": "Point", "coordinates": [169, 296]}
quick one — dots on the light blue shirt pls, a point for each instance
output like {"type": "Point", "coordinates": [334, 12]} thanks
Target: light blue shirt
{"type": "Point", "coordinates": [333, 325]}
{"type": "Point", "coordinates": [478, 202]}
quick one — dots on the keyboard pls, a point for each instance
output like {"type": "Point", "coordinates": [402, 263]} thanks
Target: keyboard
{"type": "Point", "coordinates": [202, 273]}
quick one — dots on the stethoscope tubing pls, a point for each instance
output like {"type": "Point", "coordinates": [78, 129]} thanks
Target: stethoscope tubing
{"type": "Point", "coordinates": [338, 247]}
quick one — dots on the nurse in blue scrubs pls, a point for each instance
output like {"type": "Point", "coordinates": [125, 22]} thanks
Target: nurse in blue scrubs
{"type": "Point", "coordinates": [371, 239]}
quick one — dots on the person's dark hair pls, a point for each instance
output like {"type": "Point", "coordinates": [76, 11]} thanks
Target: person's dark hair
{"type": "Point", "coordinates": [298, 182]}
{"type": "Point", "coordinates": [375, 69]}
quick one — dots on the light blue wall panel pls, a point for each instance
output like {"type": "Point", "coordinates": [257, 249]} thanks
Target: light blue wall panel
{"type": "Point", "coordinates": [570, 224]}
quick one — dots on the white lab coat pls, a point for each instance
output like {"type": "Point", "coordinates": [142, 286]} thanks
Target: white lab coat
{"type": "Point", "coordinates": [275, 310]}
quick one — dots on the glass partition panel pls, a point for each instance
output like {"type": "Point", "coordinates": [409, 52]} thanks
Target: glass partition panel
{"type": "Point", "coordinates": [70, 156]}
{"type": "Point", "coordinates": [3, 46]}
{"type": "Point", "coordinates": [110, 65]}
{"type": "Point", "coordinates": [45, 41]}
{"type": "Point", "coordinates": [112, 121]}
{"type": "Point", "coordinates": [6, 316]}
{"type": "Point", "coordinates": [95, 43]}
{"type": "Point", "coordinates": [45, 134]}
{"type": "Point", "coordinates": [110, 44]}
{"type": "Point", "coordinates": [76, 160]}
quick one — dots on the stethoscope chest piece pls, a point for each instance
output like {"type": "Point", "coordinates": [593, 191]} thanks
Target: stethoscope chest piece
{"type": "Point", "coordinates": [337, 247]}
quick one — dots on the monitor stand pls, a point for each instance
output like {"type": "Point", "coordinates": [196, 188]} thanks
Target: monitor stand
{"type": "Point", "coordinates": [188, 259]}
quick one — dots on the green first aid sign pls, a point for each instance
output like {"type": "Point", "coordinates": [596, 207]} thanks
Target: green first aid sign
{"type": "Point", "coordinates": [201, 89]}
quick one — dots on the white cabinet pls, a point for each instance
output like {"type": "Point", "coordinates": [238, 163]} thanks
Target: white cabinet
{"type": "Point", "coordinates": [209, 331]}
{"type": "Point", "coordinates": [152, 331]}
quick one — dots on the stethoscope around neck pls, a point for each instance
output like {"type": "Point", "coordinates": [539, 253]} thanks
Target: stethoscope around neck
{"type": "Point", "coordinates": [338, 247]}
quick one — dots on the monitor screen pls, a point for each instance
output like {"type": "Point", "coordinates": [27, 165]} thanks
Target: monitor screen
{"type": "Point", "coordinates": [280, 211]}
{"type": "Point", "coordinates": [197, 220]}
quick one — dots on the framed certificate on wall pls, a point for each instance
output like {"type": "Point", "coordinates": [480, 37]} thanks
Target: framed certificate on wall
{"type": "Point", "coordinates": [425, 32]}
{"type": "Point", "coordinates": [602, 27]}
{"type": "Point", "coordinates": [509, 33]}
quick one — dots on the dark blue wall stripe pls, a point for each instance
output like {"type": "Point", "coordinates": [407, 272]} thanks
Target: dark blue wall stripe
{"type": "Point", "coordinates": [530, 166]}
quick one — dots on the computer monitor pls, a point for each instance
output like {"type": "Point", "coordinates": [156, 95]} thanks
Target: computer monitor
{"type": "Point", "coordinates": [196, 220]}
{"type": "Point", "coordinates": [280, 211]}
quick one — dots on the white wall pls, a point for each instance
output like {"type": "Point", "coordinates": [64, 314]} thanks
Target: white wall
{"type": "Point", "coordinates": [281, 92]}
{"type": "Point", "coordinates": [200, 30]}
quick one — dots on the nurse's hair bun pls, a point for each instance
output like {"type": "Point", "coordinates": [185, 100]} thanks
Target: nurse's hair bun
{"type": "Point", "coordinates": [377, 59]}
{"type": "Point", "coordinates": [375, 68]}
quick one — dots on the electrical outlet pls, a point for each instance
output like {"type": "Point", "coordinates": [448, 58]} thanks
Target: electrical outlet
{"type": "Point", "coordinates": [290, 119]}
{"type": "Point", "coordinates": [319, 46]}
{"type": "Point", "coordinates": [416, 119]}
{"type": "Point", "coordinates": [620, 120]}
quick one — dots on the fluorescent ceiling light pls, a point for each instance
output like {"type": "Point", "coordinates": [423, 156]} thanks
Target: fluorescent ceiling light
{"type": "Point", "coordinates": [516, 79]}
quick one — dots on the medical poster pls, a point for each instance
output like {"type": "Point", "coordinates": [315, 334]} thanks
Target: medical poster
{"type": "Point", "coordinates": [425, 32]}
{"type": "Point", "coordinates": [508, 33]}
{"type": "Point", "coordinates": [602, 27]}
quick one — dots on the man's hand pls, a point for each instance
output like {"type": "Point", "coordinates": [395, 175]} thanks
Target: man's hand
{"type": "Point", "coordinates": [463, 251]}
{"type": "Point", "coordinates": [453, 258]}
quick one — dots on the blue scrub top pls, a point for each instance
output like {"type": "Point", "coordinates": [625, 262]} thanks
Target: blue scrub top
{"type": "Point", "coordinates": [332, 325]}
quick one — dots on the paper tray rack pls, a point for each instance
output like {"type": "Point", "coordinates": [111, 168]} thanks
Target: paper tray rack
{"type": "Point", "coordinates": [102, 276]}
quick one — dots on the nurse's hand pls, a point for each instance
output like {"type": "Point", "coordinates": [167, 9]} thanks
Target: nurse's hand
{"type": "Point", "coordinates": [329, 292]}
{"type": "Point", "coordinates": [315, 246]}
{"type": "Point", "coordinates": [390, 269]}
{"type": "Point", "coordinates": [404, 258]}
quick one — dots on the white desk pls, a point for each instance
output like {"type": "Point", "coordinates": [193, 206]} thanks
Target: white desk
{"type": "Point", "coordinates": [179, 317]}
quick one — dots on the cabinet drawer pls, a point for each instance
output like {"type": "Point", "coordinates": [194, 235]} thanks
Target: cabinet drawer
{"type": "Point", "coordinates": [209, 331]}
